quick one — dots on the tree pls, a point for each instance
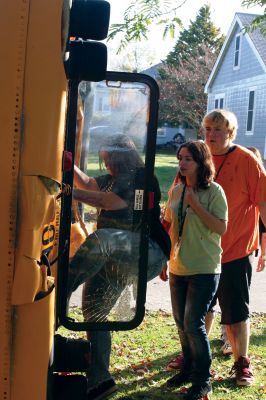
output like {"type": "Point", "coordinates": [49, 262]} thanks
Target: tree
{"type": "Point", "coordinates": [260, 21]}
{"type": "Point", "coordinates": [200, 31]}
{"type": "Point", "coordinates": [141, 14]}
{"type": "Point", "coordinates": [186, 71]}
{"type": "Point", "coordinates": [139, 17]}
{"type": "Point", "coordinates": [182, 97]}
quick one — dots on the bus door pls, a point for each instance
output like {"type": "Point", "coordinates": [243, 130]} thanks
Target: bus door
{"type": "Point", "coordinates": [122, 105]}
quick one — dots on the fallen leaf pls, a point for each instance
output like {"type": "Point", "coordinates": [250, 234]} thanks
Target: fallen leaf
{"type": "Point", "coordinates": [142, 371]}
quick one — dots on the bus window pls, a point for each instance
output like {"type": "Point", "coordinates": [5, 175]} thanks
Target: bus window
{"type": "Point", "coordinates": [104, 278]}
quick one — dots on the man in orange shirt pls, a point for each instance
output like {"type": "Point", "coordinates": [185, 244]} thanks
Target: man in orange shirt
{"type": "Point", "coordinates": [244, 182]}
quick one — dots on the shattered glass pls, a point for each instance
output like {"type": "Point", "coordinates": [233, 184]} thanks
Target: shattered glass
{"type": "Point", "coordinates": [108, 291]}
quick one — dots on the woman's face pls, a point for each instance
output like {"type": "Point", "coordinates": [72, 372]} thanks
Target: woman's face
{"type": "Point", "coordinates": [187, 166]}
{"type": "Point", "coordinates": [104, 155]}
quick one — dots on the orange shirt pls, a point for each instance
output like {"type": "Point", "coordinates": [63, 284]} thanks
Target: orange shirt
{"type": "Point", "coordinates": [244, 183]}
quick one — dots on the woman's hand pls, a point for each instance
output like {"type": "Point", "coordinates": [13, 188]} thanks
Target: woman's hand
{"type": "Point", "coordinates": [163, 275]}
{"type": "Point", "coordinates": [82, 181]}
{"type": "Point", "coordinates": [213, 223]}
{"type": "Point", "coordinates": [191, 197]}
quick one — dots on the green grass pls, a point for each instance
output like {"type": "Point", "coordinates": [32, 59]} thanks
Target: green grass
{"type": "Point", "coordinates": [165, 170]}
{"type": "Point", "coordinates": [139, 358]}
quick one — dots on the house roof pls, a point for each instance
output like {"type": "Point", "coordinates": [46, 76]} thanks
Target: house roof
{"type": "Point", "coordinates": [152, 71]}
{"type": "Point", "coordinates": [256, 40]}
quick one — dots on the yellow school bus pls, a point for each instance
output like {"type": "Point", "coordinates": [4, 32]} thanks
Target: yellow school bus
{"type": "Point", "coordinates": [50, 55]}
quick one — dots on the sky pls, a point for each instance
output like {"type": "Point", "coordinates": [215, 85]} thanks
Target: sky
{"type": "Point", "coordinates": [223, 12]}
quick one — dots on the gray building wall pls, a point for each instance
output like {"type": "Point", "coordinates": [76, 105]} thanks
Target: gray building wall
{"type": "Point", "coordinates": [249, 65]}
{"type": "Point", "coordinates": [235, 86]}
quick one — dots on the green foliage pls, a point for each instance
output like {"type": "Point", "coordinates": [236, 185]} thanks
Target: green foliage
{"type": "Point", "coordinates": [139, 16]}
{"type": "Point", "coordinates": [201, 31]}
{"type": "Point", "coordinates": [186, 70]}
{"type": "Point", "coordinates": [260, 21]}
{"type": "Point", "coordinates": [182, 97]}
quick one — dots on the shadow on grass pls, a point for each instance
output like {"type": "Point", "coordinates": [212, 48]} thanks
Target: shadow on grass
{"type": "Point", "coordinates": [150, 385]}
{"type": "Point", "coordinates": [150, 382]}
{"type": "Point", "coordinates": [259, 339]}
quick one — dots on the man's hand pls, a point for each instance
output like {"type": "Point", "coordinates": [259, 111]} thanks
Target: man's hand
{"type": "Point", "coordinates": [261, 264]}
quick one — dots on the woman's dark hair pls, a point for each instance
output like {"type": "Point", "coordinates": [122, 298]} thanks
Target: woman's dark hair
{"type": "Point", "coordinates": [202, 156]}
{"type": "Point", "coordinates": [123, 155]}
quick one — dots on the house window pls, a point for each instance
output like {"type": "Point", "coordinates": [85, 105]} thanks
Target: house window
{"type": "Point", "coordinates": [251, 109]}
{"type": "Point", "coordinates": [237, 51]}
{"type": "Point", "coordinates": [161, 132]}
{"type": "Point", "coordinates": [219, 101]}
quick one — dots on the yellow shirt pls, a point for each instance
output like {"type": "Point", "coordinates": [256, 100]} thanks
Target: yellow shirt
{"type": "Point", "coordinates": [200, 248]}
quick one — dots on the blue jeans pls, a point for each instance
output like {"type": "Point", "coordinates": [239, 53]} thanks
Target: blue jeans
{"type": "Point", "coordinates": [191, 297]}
{"type": "Point", "coordinates": [107, 262]}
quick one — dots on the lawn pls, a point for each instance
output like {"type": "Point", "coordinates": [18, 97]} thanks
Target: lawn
{"type": "Point", "coordinates": [165, 170]}
{"type": "Point", "coordinates": [139, 358]}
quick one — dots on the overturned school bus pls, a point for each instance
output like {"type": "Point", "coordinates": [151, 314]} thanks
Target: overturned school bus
{"type": "Point", "coordinates": [54, 91]}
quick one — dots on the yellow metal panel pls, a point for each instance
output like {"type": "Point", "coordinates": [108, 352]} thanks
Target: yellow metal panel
{"type": "Point", "coordinates": [32, 112]}
{"type": "Point", "coordinates": [45, 92]}
{"type": "Point", "coordinates": [13, 33]}
{"type": "Point", "coordinates": [36, 232]}
{"type": "Point", "coordinates": [33, 341]}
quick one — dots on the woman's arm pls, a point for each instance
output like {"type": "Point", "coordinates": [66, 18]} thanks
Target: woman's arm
{"type": "Point", "coordinates": [82, 181]}
{"type": "Point", "coordinates": [104, 200]}
{"type": "Point", "coordinates": [213, 223]}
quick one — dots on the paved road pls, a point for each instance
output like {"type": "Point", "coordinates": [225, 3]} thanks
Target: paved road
{"type": "Point", "coordinates": [158, 295]}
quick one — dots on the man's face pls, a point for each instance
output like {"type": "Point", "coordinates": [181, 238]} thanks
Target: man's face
{"type": "Point", "coordinates": [217, 136]}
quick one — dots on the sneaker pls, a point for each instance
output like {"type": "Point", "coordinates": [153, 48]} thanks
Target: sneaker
{"type": "Point", "coordinates": [242, 371]}
{"type": "Point", "coordinates": [227, 349]}
{"type": "Point", "coordinates": [198, 392]}
{"type": "Point", "coordinates": [178, 379]}
{"type": "Point", "coordinates": [176, 363]}
{"type": "Point", "coordinates": [103, 390]}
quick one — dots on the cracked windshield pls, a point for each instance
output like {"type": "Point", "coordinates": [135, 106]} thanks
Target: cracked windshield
{"type": "Point", "coordinates": [108, 193]}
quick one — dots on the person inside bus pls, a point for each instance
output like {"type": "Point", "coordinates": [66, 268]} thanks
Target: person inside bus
{"type": "Point", "coordinates": [108, 259]}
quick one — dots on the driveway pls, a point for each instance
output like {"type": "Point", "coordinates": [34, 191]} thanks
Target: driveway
{"type": "Point", "coordinates": [158, 295]}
